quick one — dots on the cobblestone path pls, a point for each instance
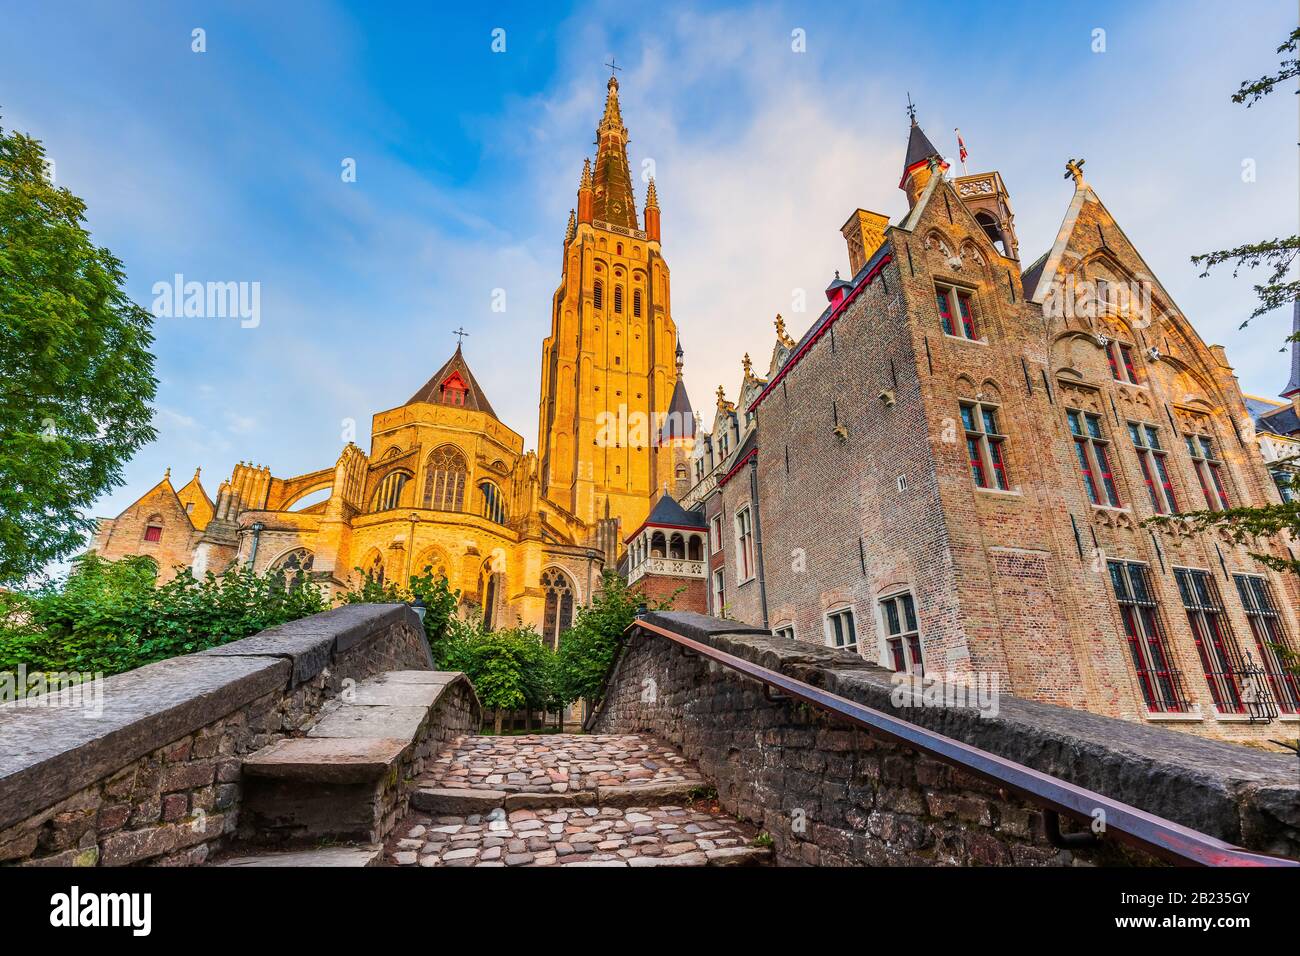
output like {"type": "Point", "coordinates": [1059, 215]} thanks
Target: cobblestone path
{"type": "Point", "coordinates": [567, 800]}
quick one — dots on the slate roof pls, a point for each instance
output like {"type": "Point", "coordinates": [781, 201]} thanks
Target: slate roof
{"type": "Point", "coordinates": [1294, 384]}
{"type": "Point", "coordinates": [431, 392]}
{"type": "Point", "coordinates": [668, 512]}
{"type": "Point", "coordinates": [919, 148]}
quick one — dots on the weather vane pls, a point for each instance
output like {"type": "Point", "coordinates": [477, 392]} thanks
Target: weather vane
{"type": "Point", "coordinates": [911, 109]}
{"type": "Point", "coordinates": [460, 334]}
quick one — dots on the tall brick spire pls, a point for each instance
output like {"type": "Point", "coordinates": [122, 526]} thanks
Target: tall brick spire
{"type": "Point", "coordinates": [612, 185]}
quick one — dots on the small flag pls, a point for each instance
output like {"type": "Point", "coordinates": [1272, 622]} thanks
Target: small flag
{"type": "Point", "coordinates": [961, 146]}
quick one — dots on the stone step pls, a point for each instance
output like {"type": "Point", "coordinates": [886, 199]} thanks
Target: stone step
{"type": "Point", "coordinates": [450, 801]}
{"type": "Point", "coordinates": [342, 781]}
{"type": "Point", "coordinates": [577, 836]}
{"type": "Point", "coordinates": [332, 856]}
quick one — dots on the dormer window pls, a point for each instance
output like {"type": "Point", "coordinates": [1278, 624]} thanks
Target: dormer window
{"type": "Point", "coordinates": [453, 390]}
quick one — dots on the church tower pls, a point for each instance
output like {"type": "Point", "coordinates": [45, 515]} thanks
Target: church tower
{"type": "Point", "coordinates": [609, 364]}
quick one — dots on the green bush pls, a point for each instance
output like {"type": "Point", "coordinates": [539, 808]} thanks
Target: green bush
{"type": "Point", "coordinates": [511, 668]}
{"type": "Point", "coordinates": [111, 616]}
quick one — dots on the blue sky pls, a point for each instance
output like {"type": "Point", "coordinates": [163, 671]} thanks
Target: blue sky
{"type": "Point", "coordinates": [225, 166]}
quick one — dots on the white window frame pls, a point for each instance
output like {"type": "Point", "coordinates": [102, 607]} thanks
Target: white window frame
{"type": "Point", "coordinates": [882, 615]}
{"type": "Point", "coordinates": [715, 534]}
{"type": "Point", "coordinates": [745, 569]}
{"type": "Point", "coordinates": [785, 630]}
{"type": "Point", "coordinates": [719, 591]}
{"type": "Point", "coordinates": [829, 624]}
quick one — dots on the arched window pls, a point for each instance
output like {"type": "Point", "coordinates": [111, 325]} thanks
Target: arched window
{"type": "Point", "coordinates": [992, 230]}
{"type": "Point", "coordinates": [658, 545]}
{"type": "Point", "coordinates": [444, 479]}
{"type": "Point", "coordinates": [435, 560]}
{"type": "Point", "coordinates": [153, 528]}
{"type": "Point", "coordinates": [636, 303]}
{"type": "Point", "coordinates": [494, 503]}
{"type": "Point", "coordinates": [389, 493]}
{"type": "Point", "coordinates": [559, 606]}
{"type": "Point", "coordinates": [374, 571]}
{"type": "Point", "coordinates": [676, 546]}
{"type": "Point", "coordinates": [618, 298]}
{"type": "Point", "coordinates": [487, 594]}
{"type": "Point", "coordinates": [296, 565]}
{"type": "Point", "coordinates": [598, 295]}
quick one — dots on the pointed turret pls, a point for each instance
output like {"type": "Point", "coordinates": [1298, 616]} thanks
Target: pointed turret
{"type": "Point", "coordinates": [919, 163]}
{"type": "Point", "coordinates": [585, 195]}
{"type": "Point", "coordinates": [612, 186]}
{"type": "Point", "coordinates": [652, 212]}
{"type": "Point", "coordinates": [571, 229]}
{"type": "Point", "coordinates": [679, 425]}
{"type": "Point", "coordinates": [1292, 390]}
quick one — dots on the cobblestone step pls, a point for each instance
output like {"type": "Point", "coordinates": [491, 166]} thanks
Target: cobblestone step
{"type": "Point", "coordinates": [576, 836]}
{"type": "Point", "coordinates": [567, 800]}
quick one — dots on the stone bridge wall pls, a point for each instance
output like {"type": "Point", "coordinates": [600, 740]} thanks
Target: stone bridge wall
{"type": "Point", "coordinates": [156, 778]}
{"type": "Point", "coordinates": [828, 793]}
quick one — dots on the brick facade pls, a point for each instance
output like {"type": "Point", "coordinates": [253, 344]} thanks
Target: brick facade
{"type": "Point", "coordinates": [867, 490]}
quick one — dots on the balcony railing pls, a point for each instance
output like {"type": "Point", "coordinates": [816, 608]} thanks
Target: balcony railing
{"type": "Point", "coordinates": [669, 567]}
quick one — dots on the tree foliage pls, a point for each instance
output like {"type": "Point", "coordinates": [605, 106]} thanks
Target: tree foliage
{"type": "Point", "coordinates": [76, 373]}
{"type": "Point", "coordinates": [111, 616]}
{"type": "Point", "coordinates": [1276, 255]}
{"type": "Point", "coordinates": [588, 649]}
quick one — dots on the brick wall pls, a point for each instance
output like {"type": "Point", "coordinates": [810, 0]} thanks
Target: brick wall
{"type": "Point", "coordinates": [156, 778]}
{"type": "Point", "coordinates": [865, 494]}
{"type": "Point", "coordinates": [831, 794]}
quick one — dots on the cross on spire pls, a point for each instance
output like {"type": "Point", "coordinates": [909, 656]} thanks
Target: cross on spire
{"type": "Point", "coordinates": [612, 67]}
{"type": "Point", "coordinates": [460, 334]}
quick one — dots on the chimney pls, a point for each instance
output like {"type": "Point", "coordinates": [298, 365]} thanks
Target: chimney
{"type": "Point", "coordinates": [864, 232]}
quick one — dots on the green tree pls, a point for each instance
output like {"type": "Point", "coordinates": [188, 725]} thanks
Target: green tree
{"type": "Point", "coordinates": [1279, 254]}
{"type": "Point", "coordinates": [511, 668]}
{"type": "Point", "coordinates": [588, 648]}
{"type": "Point", "coordinates": [76, 373]}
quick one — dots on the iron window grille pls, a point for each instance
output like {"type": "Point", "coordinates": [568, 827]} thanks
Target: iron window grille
{"type": "Point", "coordinates": [1161, 682]}
{"type": "Point", "coordinates": [1215, 645]}
{"type": "Point", "coordinates": [1279, 658]}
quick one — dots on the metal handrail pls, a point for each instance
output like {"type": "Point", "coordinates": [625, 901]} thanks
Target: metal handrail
{"type": "Point", "coordinates": [1162, 838]}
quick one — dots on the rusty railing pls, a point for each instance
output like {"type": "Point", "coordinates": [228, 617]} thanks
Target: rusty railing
{"type": "Point", "coordinates": [1160, 837]}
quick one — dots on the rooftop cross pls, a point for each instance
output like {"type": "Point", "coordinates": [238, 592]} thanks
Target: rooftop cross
{"type": "Point", "coordinates": [460, 334]}
{"type": "Point", "coordinates": [612, 67]}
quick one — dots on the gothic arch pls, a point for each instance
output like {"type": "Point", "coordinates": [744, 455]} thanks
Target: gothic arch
{"type": "Point", "coordinates": [561, 596]}
{"type": "Point", "coordinates": [372, 567]}
{"type": "Point", "coordinates": [445, 475]}
{"type": "Point", "coordinates": [434, 558]}
{"type": "Point", "coordinates": [390, 492]}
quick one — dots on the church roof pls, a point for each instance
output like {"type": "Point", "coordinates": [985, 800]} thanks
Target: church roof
{"type": "Point", "coordinates": [919, 148]}
{"type": "Point", "coordinates": [680, 422]}
{"type": "Point", "coordinates": [667, 512]}
{"type": "Point", "coordinates": [455, 371]}
{"type": "Point", "coordinates": [1293, 385]}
